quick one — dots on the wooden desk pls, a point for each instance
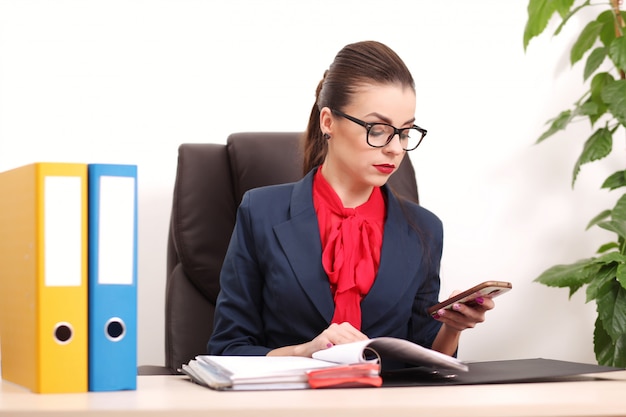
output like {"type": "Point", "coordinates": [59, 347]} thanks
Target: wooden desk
{"type": "Point", "coordinates": [176, 396]}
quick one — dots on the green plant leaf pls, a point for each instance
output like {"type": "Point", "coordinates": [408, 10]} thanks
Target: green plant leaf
{"type": "Point", "coordinates": [598, 82]}
{"type": "Point", "coordinates": [599, 218]}
{"type": "Point", "coordinates": [563, 7]}
{"type": "Point", "coordinates": [598, 284]}
{"type": "Point", "coordinates": [608, 17]}
{"type": "Point", "coordinates": [607, 247]}
{"type": "Point", "coordinates": [539, 14]}
{"type": "Point", "coordinates": [568, 15]}
{"type": "Point", "coordinates": [573, 275]}
{"type": "Point", "coordinates": [607, 34]}
{"type": "Point", "coordinates": [621, 276]}
{"type": "Point", "coordinates": [597, 85]}
{"type": "Point", "coordinates": [611, 307]}
{"type": "Point", "coordinates": [617, 52]}
{"type": "Point", "coordinates": [595, 59]}
{"type": "Point", "coordinates": [585, 41]}
{"type": "Point", "coordinates": [609, 258]}
{"type": "Point", "coordinates": [615, 180]}
{"type": "Point", "coordinates": [619, 210]}
{"type": "Point", "coordinates": [588, 108]}
{"type": "Point", "coordinates": [598, 146]}
{"type": "Point", "coordinates": [615, 226]}
{"type": "Point", "coordinates": [558, 123]}
{"type": "Point", "coordinates": [614, 94]}
{"type": "Point", "coordinates": [608, 352]}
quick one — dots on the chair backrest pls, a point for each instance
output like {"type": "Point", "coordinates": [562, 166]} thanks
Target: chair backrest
{"type": "Point", "coordinates": [210, 182]}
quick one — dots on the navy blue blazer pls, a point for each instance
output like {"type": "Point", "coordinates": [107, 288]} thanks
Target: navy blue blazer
{"type": "Point", "coordinates": [274, 291]}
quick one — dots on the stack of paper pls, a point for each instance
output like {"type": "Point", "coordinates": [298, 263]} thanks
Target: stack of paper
{"type": "Point", "coordinates": [253, 372]}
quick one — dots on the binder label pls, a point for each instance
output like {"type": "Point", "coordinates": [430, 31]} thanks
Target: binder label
{"type": "Point", "coordinates": [62, 231]}
{"type": "Point", "coordinates": [116, 243]}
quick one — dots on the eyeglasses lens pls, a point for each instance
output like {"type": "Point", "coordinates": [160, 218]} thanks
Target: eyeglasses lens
{"type": "Point", "coordinates": [381, 134]}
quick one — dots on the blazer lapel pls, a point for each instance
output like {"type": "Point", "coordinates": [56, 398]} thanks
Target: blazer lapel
{"type": "Point", "coordinates": [397, 266]}
{"type": "Point", "coordinates": [299, 238]}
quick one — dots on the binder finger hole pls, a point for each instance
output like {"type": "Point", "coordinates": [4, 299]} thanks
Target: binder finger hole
{"type": "Point", "coordinates": [115, 329]}
{"type": "Point", "coordinates": [63, 333]}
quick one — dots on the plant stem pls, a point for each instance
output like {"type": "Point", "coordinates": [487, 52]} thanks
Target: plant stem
{"type": "Point", "coordinates": [619, 25]}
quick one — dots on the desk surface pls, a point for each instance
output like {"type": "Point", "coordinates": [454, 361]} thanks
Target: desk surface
{"type": "Point", "coordinates": [175, 395]}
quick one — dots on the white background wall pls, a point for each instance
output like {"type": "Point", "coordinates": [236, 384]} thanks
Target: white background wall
{"type": "Point", "coordinates": [127, 81]}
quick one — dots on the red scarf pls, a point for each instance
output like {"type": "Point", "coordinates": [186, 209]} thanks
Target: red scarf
{"type": "Point", "coordinates": [351, 243]}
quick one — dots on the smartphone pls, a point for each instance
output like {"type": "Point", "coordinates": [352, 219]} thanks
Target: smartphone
{"type": "Point", "coordinates": [485, 289]}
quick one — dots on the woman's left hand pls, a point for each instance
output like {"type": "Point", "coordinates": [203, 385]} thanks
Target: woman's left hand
{"type": "Point", "coordinates": [465, 315]}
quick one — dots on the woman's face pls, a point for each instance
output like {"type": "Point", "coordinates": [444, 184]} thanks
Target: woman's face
{"type": "Point", "coordinates": [350, 160]}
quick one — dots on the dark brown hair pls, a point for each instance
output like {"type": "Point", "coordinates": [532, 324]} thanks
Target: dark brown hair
{"type": "Point", "coordinates": [367, 62]}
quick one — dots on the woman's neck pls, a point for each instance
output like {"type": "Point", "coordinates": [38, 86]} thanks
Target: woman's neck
{"type": "Point", "coordinates": [350, 193]}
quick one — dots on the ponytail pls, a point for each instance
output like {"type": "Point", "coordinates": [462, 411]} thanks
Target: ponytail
{"type": "Point", "coordinates": [314, 145]}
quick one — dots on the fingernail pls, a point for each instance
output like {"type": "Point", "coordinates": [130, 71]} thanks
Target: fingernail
{"type": "Point", "coordinates": [479, 300]}
{"type": "Point", "coordinates": [456, 306]}
{"type": "Point", "coordinates": [441, 312]}
{"type": "Point", "coordinates": [436, 316]}
{"type": "Point", "coordinates": [329, 345]}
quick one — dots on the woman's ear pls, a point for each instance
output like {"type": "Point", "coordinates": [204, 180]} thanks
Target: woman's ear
{"type": "Point", "coordinates": [326, 120]}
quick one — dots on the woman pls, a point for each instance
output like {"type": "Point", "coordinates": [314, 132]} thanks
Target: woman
{"type": "Point", "coordinates": [337, 257]}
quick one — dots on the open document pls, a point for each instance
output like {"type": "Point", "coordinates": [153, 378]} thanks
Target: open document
{"type": "Point", "coordinates": [390, 348]}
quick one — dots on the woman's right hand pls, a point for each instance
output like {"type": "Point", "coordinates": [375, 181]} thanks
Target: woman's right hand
{"type": "Point", "coordinates": [335, 334]}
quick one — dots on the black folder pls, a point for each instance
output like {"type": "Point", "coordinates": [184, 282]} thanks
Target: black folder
{"type": "Point", "coordinates": [498, 372]}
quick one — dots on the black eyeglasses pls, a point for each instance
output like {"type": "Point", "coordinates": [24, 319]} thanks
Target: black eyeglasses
{"type": "Point", "coordinates": [380, 134]}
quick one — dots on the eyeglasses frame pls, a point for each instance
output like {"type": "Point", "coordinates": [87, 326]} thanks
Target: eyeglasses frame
{"type": "Point", "coordinates": [369, 126]}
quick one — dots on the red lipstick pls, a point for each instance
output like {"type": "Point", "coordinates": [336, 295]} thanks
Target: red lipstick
{"type": "Point", "coordinates": [385, 168]}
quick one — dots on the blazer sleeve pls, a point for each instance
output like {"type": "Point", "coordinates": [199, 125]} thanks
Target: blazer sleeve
{"type": "Point", "coordinates": [238, 327]}
{"type": "Point", "coordinates": [424, 328]}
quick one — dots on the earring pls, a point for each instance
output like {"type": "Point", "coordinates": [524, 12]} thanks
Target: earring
{"type": "Point", "coordinates": [326, 136]}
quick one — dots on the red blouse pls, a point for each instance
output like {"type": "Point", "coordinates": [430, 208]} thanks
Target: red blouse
{"type": "Point", "coordinates": [351, 243]}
